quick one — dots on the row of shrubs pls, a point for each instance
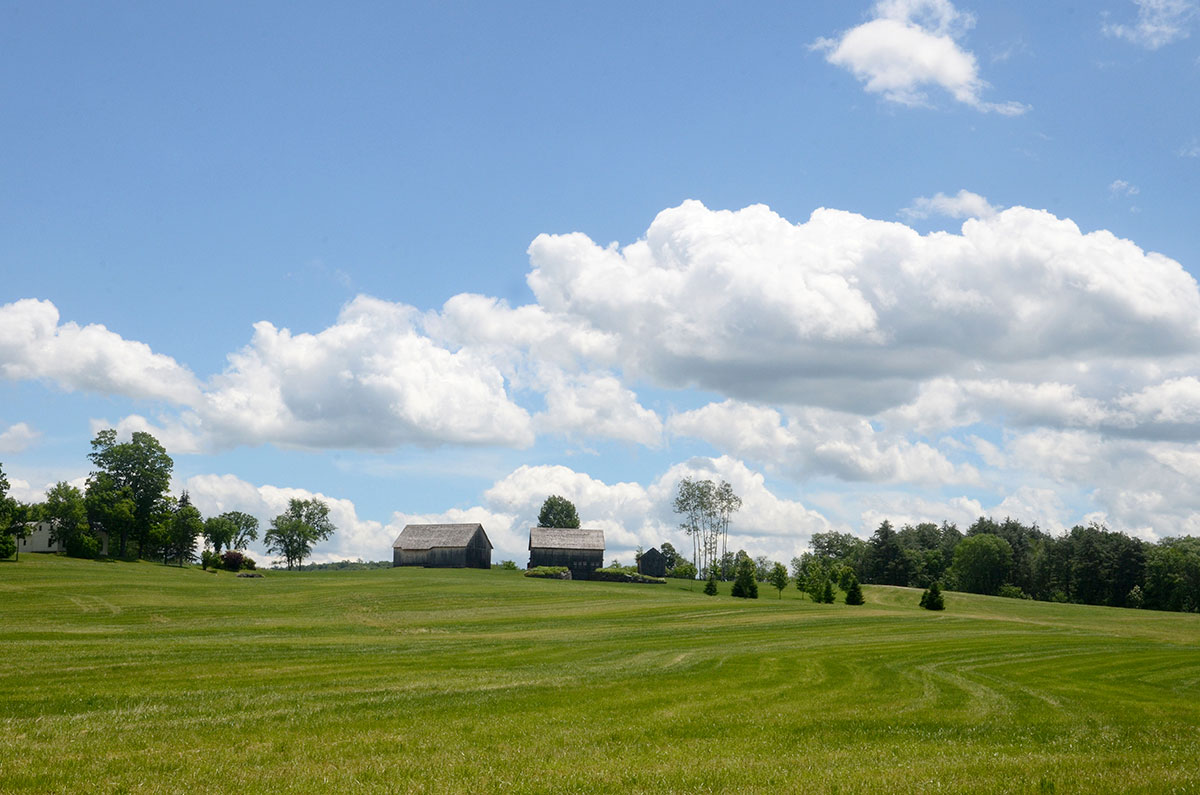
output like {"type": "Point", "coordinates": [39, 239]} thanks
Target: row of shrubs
{"type": "Point", "coordinates": [625, 574]}
{"type": "Point", "coordinates": [549, 572]}
{"type": "Point", "coordinates": [229, 560]}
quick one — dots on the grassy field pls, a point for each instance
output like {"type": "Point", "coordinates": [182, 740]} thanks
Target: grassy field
{"type": "Point", "coordinates": [133, 677]}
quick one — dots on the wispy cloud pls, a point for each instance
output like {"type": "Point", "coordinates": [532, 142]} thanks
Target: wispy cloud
{"type": "Point", "coordinates": [1119, 187]}
{"type": "Point", "coordinates": [1159, 22]}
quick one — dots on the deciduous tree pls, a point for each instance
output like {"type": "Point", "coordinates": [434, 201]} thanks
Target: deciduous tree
{"type": "Point", "coordinates": [143, 466]}
{"type": "Point", "coordinates": [558, 512]}
{"type": "Point", "coordinates": [294, 532]}
{"type": "Point", "coordinates": [778, 578]}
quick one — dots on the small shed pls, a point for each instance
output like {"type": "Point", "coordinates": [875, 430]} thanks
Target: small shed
{"type": "Point", "coordinates": [652, 563]}
{"type": "Point", "coordinates": [453, 546]}
{"type": "Point", "coordinates": [582, 551]}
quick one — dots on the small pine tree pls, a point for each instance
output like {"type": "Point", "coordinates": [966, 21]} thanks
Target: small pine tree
{"type": "Point", "coordinates": [827, 594]}
{"type": "Point", "coordinates": [854, 594]}
{"type": "Point", "coordinates": [932, 599]}
{"type": "Point", "coordinates": [710, 587]}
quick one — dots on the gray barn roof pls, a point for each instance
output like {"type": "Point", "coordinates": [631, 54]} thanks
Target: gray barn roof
{"type": "Point", "coordinates": [428, 536]}
{"type": "Point", "coordinates": [565, 538]}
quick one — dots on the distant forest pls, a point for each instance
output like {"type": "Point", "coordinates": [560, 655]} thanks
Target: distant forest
{"type": "Point", "coordinates": [1089, 565]}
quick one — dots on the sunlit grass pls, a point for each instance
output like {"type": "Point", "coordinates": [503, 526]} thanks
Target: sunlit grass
{"type": "Point", "coordinates": [122, 677]}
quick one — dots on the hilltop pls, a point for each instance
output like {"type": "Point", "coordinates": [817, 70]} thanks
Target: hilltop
{"type": "Point", "coordinates": [140, 677]}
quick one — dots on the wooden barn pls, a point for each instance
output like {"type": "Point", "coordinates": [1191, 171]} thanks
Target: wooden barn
{"type": "Point", "coordinates": [652, 563]}
{"type": "Point", "coordinates": [581, 551]}
{"type": "Point", "coordinates": [450, 546]}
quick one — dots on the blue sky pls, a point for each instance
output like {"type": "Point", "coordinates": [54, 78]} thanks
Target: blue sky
{"type": "Point", "coordinates": [912, 259]}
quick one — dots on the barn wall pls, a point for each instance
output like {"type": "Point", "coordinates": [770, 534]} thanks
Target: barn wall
{"type": "Point", "coordinates": [581, 562]}
{"type": "Point", "coordinates": [653, 563]}
{"type": "Point", "coordinates": [410, 557]}
{"type": "Point", "coordinates": [478, 553]}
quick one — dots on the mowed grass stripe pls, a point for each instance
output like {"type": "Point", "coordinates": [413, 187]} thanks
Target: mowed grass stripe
{"type": "Point", "coordinates": [140, 678]}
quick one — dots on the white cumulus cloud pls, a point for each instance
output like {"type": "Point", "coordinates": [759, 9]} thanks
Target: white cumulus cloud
{"type": "Point", "coordinates": [854, 314]}
{"type": "Point", "coordinates": [909, 46]}
{"type": "Point", "coordinates": [18, 437]}
{"type": "Point", "coordinates": [34, 345]}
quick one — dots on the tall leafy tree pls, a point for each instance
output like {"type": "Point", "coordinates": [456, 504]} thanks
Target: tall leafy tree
{"type": "Point", "coordinates": [110, 508]}
{"type": "Point", "coordinates": [218, 533]}
{"type": "Point", "coordinates": [707, 510]}
{"type": "Point", "coordinates": [294, 532]}
{"type": "Point", "coordinates": [246, 529]}
{"type": "Point", "coordinates": [558, 512]}
{"type": "Point", "coordinates": [141, 465]}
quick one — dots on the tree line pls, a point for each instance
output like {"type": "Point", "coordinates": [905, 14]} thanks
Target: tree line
{"type": "Point", "coordinates": [127, 499]}
{"type": "Point", "coordinates": [1087, 565]}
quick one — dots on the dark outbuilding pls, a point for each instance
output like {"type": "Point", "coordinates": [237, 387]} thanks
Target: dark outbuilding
{"type": "Point", "coordinates": [582, 551]}
{"type": "Point", "coordinates": [652, 563]}
{"type": "Point", "coordinates": [453, 546]}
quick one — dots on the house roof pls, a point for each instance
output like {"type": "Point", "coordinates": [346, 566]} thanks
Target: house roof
{"type": "Point", "coordinates": [565, 538]}
{"type": "Point", "coordinates": [428, 536]}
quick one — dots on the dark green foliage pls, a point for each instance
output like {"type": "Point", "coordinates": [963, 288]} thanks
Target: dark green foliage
{"type": "Point", "coordinates": [778, 578]}
{"type": "Point", "coordinates": [1010, 591]}
{"type": "Point", "coordinates": [83, 545]}
{"type": "Point", "coordinates": [558, 512]}
{"type": "Point", "coordinates": [549, 572]}
{"type": "Point", "coordinates": [8, 544]}
{"type": "Point", "coordinates": [249, 564]}
{"type": "Point", "coordinates": [209, 560]}
{"type": "Point", "coordinates": [184, 527]}
{"type": "Point", "coordinates": [932, 598]}
{"type": "Point", "coordinates": [710, 587]}
{"type": "Point", "coordinates": [1173, 575]}
{"type": "Point", "coordinates": [827, 593]}
{"type": "Point", "coordinates": [982, 563]}
{"type": "Point", "coordinates": [887, 562]}
{"type": "Point", "coordinates": [745, 586]}
{"type": "Point", "coordinates": [854, 594]}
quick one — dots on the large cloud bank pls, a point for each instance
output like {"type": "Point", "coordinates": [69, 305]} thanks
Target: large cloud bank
{"type": "Point", "coordinates": [837, 349]}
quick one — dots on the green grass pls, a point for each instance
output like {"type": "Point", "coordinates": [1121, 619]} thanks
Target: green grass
{"type": "Point", "coordinates": [118, 677]}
